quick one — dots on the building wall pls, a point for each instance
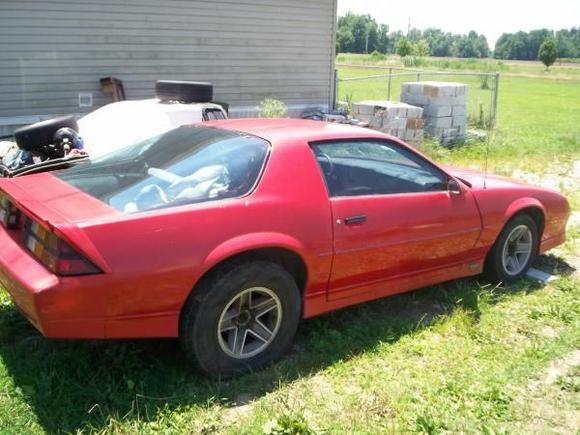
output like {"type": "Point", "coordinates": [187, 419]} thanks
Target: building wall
{"type": "Point", "coordinates": [52, 50]}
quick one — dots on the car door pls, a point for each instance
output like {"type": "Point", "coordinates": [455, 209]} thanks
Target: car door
{"type": "Point", "coordinates": [393, 215]}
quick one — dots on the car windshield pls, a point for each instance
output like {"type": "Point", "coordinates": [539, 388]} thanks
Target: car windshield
{"type": "Point", "coordinates": [186, 165]}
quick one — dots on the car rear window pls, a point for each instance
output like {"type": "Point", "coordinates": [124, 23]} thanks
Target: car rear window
{"type": "Point", "coordinates": [187, 165]}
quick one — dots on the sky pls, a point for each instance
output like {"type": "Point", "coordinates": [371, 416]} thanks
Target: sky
{"type": "Point", "coordinates": [490, 17]}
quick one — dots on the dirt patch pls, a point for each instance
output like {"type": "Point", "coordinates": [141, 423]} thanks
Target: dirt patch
{"type": "Point", "coordinates": [560, 367]}
{"type": "Point", "coordinates": [564, 177]}
{"type": "Point", "coordinates": [551, 408]}
{"type": "Point", "coordinates": [241, 408]}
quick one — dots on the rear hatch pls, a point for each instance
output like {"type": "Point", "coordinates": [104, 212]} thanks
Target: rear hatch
{"type": "Point", "coordinates": [53, 201]}
{"type": "Point", "coordinates": [48, 217]}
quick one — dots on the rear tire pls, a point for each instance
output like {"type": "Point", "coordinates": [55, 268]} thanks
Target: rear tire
{"type": "Point", "coordinates": [514, 250]}
{"type": "Point", "coordinates": [224, 316]}
{"type": "Point", "coordinates": [184, 92]}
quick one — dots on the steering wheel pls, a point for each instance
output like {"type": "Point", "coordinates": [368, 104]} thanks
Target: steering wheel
{"type": "Point", "coordinates": [164, 175]}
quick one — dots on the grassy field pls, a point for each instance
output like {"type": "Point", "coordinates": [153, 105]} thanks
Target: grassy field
{"type": "Point", "coordinates": [538, 131]}
{"type": "Point", "coordinates": [462, 356]}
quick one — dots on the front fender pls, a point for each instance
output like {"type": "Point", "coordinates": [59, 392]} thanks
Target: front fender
{"type": "Point", "coordinates": [520, 204]}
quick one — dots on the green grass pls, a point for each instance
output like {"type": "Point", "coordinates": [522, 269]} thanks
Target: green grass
{"type": "Point", "coordinates": [459, 357]}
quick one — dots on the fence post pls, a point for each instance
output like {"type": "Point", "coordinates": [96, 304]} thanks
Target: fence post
{"type": "Point", "coordinates": [389, 88]}
{"type": "Point", "coordinates": [335, 96]}
{"type": "Point", "coordinates": [495, 96]}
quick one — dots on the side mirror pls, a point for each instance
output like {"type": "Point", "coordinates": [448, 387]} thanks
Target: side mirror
{"type": "Point", "coordinates": [453, 187]}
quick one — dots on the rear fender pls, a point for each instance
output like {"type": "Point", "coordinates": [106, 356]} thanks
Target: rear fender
{"type": "Point", "coordinates": [248, 242]}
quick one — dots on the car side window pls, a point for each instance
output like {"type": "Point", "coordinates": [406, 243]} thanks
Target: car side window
{"type": "Point", "coordinates": [366, 167]}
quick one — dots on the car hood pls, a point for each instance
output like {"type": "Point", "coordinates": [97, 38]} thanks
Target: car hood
{"type": "Point", "coordinates": [51, 200]}
{"type": "Point", "coordinates": [479, 180]}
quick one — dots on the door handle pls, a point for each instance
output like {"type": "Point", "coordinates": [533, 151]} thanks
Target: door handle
{"type": "Point", "coordinates": [354, 220]}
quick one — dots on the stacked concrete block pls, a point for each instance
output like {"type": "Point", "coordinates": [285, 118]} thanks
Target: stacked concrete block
{"type": "Point", "coordinates": [397, 119]}
{"type": "Point", "coordinates": [444, 108]}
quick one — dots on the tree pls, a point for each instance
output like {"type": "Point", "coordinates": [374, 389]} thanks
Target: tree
{"type": "Point", "coordinates": [421, 48]}
{"type": "Point", "coordinates": [383, 39]}
{"type": "Point", "coordinates": [404, 47]}
{"type": "Point", "coordinates": [526, 45]}
{"type": "Point", "coordinates": [344, 40]}
{"type": "Point", "coordinates": [548, 52]}
{"type": "Point", "coordinates": [470, 45]}
{"type": "Point", "coordinates": [362, 28]}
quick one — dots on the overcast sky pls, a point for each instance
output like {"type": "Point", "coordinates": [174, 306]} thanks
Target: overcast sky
{"type": "Point", "coordinates": [491, 17]}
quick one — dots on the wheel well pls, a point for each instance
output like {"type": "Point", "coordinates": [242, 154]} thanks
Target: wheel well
{"type": "Point", "coordinates": [286, 258]}
{"type": "Point", "coordinates": [537, 215]}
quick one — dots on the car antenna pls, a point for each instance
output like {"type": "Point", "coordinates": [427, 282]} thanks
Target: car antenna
{"type": "Point", "coordinates": [487, 143]}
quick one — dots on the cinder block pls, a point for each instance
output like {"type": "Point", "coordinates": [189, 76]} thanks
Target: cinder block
{"type": "Point", "coordinates": [447, 100]}
{"type": "Point", "coordinates": [459, 120]}
{"type": "Point", "coordinates": [443, 122]}
{"type": "Point", "coordinates": [450, 131]}
{"type": "Point", "coordinates": [363, 109]}
{"type": "Point", "coordinates": [414, 112]}
{"type": "Point", "coordinates": [414, 123]}
{"type": "Point", "coordinates": [441, 131]}
{"type": "Point", "coordinates": [416, 134]}
{"type": "Point", "coordinates": [437, 111]}
{"type": "Point", "coordinates": [363, 117]}
{"type": "Point", "coordinates": [395, 123]}
{"type": "Point", "coordinates": [412, 87]}
{"type": "Point", "coordinates": [376, 121]}
{"type": "Point", "coordinates": [431, 91]}
{"type": "Point", "coordinates": [415, 99]}
{"type": "Point", "coordinates": [459, 109]}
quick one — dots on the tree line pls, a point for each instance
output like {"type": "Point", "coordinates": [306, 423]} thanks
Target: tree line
{"type": "Point", "coordinates": [362, 34]}
{"type": "Point", "coordinates": [525, 45]}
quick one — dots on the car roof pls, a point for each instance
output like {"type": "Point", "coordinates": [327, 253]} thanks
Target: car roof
{"type": "Point", "coordinates": [288, 131]}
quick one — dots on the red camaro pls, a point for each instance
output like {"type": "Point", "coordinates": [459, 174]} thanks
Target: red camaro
{"type": "Point", "coordinates": [226, 234]}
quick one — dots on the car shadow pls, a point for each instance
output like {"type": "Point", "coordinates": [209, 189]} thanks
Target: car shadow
{"type": "Point", "coordinates": [84, 385]}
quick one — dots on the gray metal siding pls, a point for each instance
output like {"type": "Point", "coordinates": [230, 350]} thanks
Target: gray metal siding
{"type": "Point", "coordinates": [252, 49]}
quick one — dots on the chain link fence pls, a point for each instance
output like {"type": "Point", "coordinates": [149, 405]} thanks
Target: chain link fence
{"type": "Point", "coordinates": [355, 84]}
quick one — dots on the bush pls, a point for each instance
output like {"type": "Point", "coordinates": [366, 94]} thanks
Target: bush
{"type": "Point", "coordinates": [404, 47]}
{"type": "Point", "coordinates": [377, 55]}
{"type": "Point", "coordinates": [421, 48]}
{"type": "Point", "coordinates": [548, 53]}
{"type": "Point", "coordinates": [271, 108]}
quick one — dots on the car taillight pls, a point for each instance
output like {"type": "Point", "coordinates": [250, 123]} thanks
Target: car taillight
{"type": "Point", "coordinates": [54, 253]}
{"type": "Point", "coordinates": [9, 214]}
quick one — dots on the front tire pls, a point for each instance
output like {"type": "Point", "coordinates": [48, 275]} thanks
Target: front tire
{"type": "Point", "coordinates": [242, 318]}
{"type": "Point", "coordinates": [514, 250]}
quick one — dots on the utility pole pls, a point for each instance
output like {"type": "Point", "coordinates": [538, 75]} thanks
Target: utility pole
{"type": "Point", "coordinates": [367, 41]}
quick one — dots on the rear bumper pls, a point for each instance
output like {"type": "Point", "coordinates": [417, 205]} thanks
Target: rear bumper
{"type": "Point", "coordinates": [58, 308]}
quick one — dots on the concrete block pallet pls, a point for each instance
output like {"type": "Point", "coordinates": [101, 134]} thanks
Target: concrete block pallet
{"type": "Point", "coordinates": [444, 107]}
{"type": "Point", "coordinates": [397, 119]}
